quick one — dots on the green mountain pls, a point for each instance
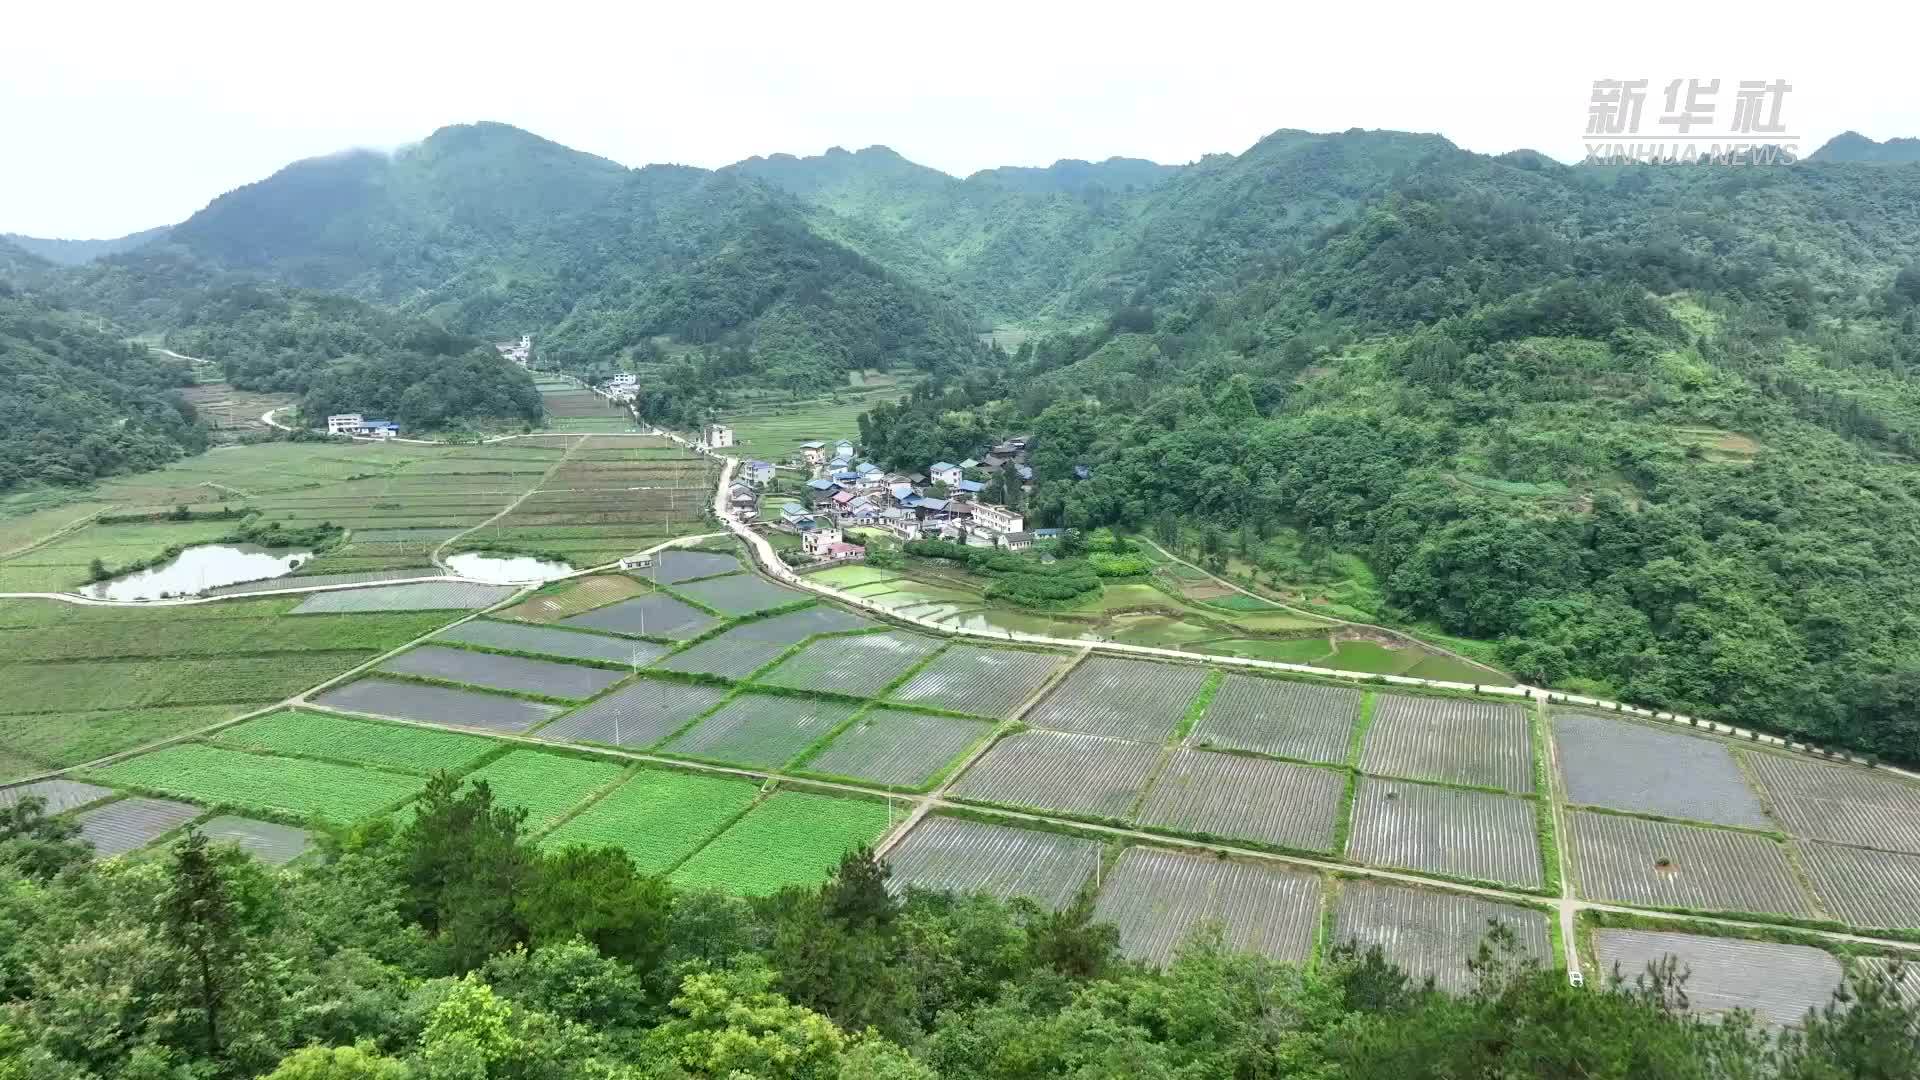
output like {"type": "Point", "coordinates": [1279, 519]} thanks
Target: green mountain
{"type": "Point", "coordinates": [1853, 146]}
{"type": "Point", "coordinates": [77, 252]}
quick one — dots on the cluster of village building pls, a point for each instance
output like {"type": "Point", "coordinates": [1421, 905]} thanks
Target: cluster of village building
{"type": "Point", "coordinates": [946, 502]}
{"type": "Point", "coordinates": [353, 423]}
{"type": "Point", "coordinates": [517, 351]}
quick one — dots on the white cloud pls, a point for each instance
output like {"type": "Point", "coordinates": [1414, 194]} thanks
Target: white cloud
{"type": "Point", "coordinates": [119, 118]}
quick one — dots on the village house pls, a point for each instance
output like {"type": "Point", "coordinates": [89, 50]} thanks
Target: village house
{"type": "Point", "coordinates": [843, 449]}
{"type": "Point", "coordinates": [843, 551]}
{"type": "Point", "coordinates": [969, 487]}
{"type": "Point", "coordinates": [742, 501]}
{"type": "Point", "coordinates": [861, 511]}
{"type": "Point", "coordinates": [945, 472]}
{"type": "Point", "coordinates": [379, 429]}
{"type": "Point", "coordinates": [814, 453]}
{"type": "Point", "coordinates": [902, 523]}
{"type": "Point", "coordinates": [1016, 541]}
{"type": "Point", "coordinates": [819, 539]}
{"type": "Point", "coordinates": [796, 516]}
{"type": "Point", "coordinates": [343, 423]}
{"type": "Point", "coordinates": [626, 380]}
{"type": "Point", "coordinates": [997, 519]}
{"type": "Point", "coordinates": [719, 436]}
{"type": "Point", "coordinates": [759, 473]}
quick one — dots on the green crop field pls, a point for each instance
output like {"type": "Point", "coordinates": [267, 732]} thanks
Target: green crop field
{"type": "Point", "coordinates": [658, 818]}
{"type": "Point", "coordinates": [794, 838]}
{"type": "Point", "coordinates": [547, 786]}
{"type": "Point", "coordinates": [122, 684]}
{"type": "Point", "coordinates": [41, 742]}
{"type": "Point", "coordinates": [212, 775]}
{"type": "Point", "coordinates": [370, 743]}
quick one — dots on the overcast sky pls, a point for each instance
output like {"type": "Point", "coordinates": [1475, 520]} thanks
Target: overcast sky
{"type": "Point", "coordinates": [115, 118]}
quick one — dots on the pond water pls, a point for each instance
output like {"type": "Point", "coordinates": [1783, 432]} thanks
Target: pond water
{"type": "Point", "coordinates": [506, 569]}
{"type": "Point", "coordinates": [198, 569]}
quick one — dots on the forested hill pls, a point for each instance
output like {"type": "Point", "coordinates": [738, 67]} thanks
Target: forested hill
{"type": "Point", "coordinates": [1853, 146]}
{"type": "Point", "coordinates": [77, 252]}
{"type": "Point", "coordinates": [1654, 431]}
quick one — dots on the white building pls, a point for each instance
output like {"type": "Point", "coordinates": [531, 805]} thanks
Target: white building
{"type": "Point", "coordinates": [626, 380]}
{"type": "Point", "coordinates": [719, 436]}
{"type": "Point", "coordinates": [819, 539]}
{"type": "Point", "coordinates": [998, 519]}
{"type": "Point", "coordinates": [944, 472]}
{"type": "Point", "coordinates": [758, 473]}
{"type": "Point", "coordinates": [346, 423]}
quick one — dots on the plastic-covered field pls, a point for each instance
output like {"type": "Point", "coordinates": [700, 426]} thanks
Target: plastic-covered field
{"type": "Point", "coordinates": [636, 715]}
{"type": "Point", "coordinates": [961, 856]}
{"type": "Point", "coordinates": [1452, 741]}
{"type": "Point", "coordinates": [217, 776]}
{"type": "Point", "coordinates": [898, 748]}
{"type": "Point", "coordinates": [546, 785]}
{"type": "Point", "coordinates": [1664, 864]}
{"type": "Point", "coordinates": [1158, 898]}
{"type": "Point", "coordinates": [514, 674]}
{"type": "Point", "coordinates": [764, 730]}
{"type": "Point", "coordinates": [420, 596]}
{"type": "Point", "coordinates": [653, 615]}
{"type": "Point", "coordinates": [60, 795]}
{"type": "Point", "coordinates": [658, 817]}
{"type": "Point", "coordinates": [1778, 982]}
{"type": "Point", "coordinates": [978, 680]}
{"type": "Point", "coordinates": [573, 597]}
{"type": "Point", "coordinates": [1877, 889]}
{"type": "Point", "coordinates": [1623, 765]}
{"type": "Point", "coordinates": [793, 838]}
{"type": "Point", "coordinates": [672, 565]}
{"type": "Point", "coordinates": [437, 704]}
{"type": "Point", "coordinates": [1290, 720]}
{"type": "Point", "coordinates": [1050, 770]}
{"type": "Point", "coordinates": [728, 656]}
{"type": "Point", "coordinates": [120, 827]}
{"type": "Point", "coordinates": [364, 742]}
{"type": "Point", "coordinates": [269, 841]}
{"type": "Point", "coordinates": [1431, 933]}
{"type": "Point", "coordinates": [1121, 699]}
{"type": "Point", "coordinates": [860, 664]}
{"type": "Point", "coordinates": [740, 594]}
{"type": "Point", "coordinates": [1245, 798]}
{"type": "Point", "coordinates": [552, 641]}
{"type": "Point", "coordinates": [794, 627]}
{"type": "Point", "coordinates": [1469, 834]}
{"type": "Point", "coordinates": [1845, 804]}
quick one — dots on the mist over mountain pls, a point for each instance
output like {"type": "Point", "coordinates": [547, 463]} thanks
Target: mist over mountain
{"type": "Point", "coordinates": [76, 252]}
{"type": "Point", "coordinates": [1853, 146]}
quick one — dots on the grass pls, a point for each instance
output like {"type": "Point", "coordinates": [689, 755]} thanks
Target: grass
{"type": "Point", "coordinates": [794, 838]}
{"type": "Point", "coordinates": [322, 735]}
{"type": "Point", "coordinates": [659, 818]}
{"type": "Point", "coordinates": [215, 776]}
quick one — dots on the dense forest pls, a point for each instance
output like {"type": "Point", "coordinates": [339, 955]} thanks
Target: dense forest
{"type": "Point", "coordinates": [456, 949]}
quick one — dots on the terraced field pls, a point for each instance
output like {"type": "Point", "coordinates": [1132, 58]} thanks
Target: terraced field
{"type": "Point", "coordinates": [545, 785]}
{"type": "Point", "coordinates": [56, 796]}
{"type": "Point", "coordinates": [1449, 740]}
{"type": "Point", "coordinates": [213, 775]}
{"type": "Point", "coordinates": [313, 734]}
{"type": "Point", "coordinates": [1160, 898]}
{"type": "Point", "coordinates": [1832, 802]}
{"type": "Point", "coordinates": [1446, 831]}
{"type": "Point", "coordinates": [861, 665]}
{"type": "Point", "coordinates": [793, 838]}
{"type": "Point", "coordinates": [1879, 889]}
{"type": "Point", "coordinates": [548, 641]}
{"type": "Point", "coordinates": [132, 823]}
{"type": "Point", "coordinates": [963, 856]}
{"type": "Point", "coordinates": [639, 715]}
{"type": "Point", "coordinates": [1624, 765]}
{"type": "Point", "coordinates": [1247, 799]}
{"type": "Point", "coordinates": [419, 596]}
{"type": "Point", "coordinates": [898, 748]}
{"type": "Point", "coordinates": [1431, 934]}
{"type": "Point", "coordinates": [673, 566]}
{"type": "Point", "coordinates": [1121, 699]}
{"type": "Point", "coordinates": [1663, 864]}
{"type": "Point", "coordinates": [574, 597]}
{"type": "Point", "coordinates": [763, 730]}
{"type": "Point", "coordinates": [740, 594]}
{"type": "Point", "coordinates": [437, 704]}
{"type": "Point", "coordinates": [1778, 983]}
{"type": "Point", "coordinates": [657, 817]}
{"type": "Point", "coordinates": [657, 615]}
{"type": "Point", "coordinates": [1073, 774]}
{"type": "Point", "coordinates": [978, 680]}
{"type": "Point", "coordinates": [513, 674]}
{"type": "Point", "coordinates": [1289, 720]}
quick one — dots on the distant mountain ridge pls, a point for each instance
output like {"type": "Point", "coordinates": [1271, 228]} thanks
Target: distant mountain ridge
{"type": "Point", "coordinates": [77, 252]}
{"type": "Point", "coordinates": [1853, 146]}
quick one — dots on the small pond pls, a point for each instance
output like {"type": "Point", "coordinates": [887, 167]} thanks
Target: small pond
{"type": "Point", "coordinates": [197, 569]}
{"type": "Point", "coordinates": [506, 569]}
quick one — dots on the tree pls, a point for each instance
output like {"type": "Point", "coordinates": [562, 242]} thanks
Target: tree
{"type": "Point", "coordinates": [1070, 942]}
{"type": "Point", "coordinates": [857, 894]}
{"type": "Point", "coordinates": [202, 919]}
{"type": "Point", "coordinates": [596, 895]}
{"type": "Point", "coordinates": [38, 845]}
{"type": "Point", "coordinates": [731, 1024]}
{"type": "Point", "coordinates": [465, 868]}
{"type": "Point", "coordinates": [359, 1062]}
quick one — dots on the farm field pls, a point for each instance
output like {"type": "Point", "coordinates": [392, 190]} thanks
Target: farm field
{"type": "Point", "coordinates": [763, 730]}
{"type": "Point", "coordinates": [657, 615]}
{"type": "Point", "coordinates": [365, 742]}
{"type": "Point", "coordinates": [62, 564]}
{"type": "Point", "coordinates": [1832, 802]}
{"type": "Point", "coordinates": [1446, 831]}
{"type": "Point", "coordinates": [982, 681]}
{"type": "Point", "coordinates": [740, 594]}
{"type": "Point", "coordinates": [796, 626]}
{"type": "Point", "coordinates": [729, 656]}
{"type": "Point", "coordinates": [548, 641]}
{"type": "Point", "coordinates": [269, 841]}
{"type": "Point", "coordinates": [1072, 774]}
{"type": "Point", "coordinates": [675, 565]}
{"type": "Point", "coordinates": [59, 796]}
{"type": "Point", "coordinates": [1429, 933]}
{"type": "Point", "coordinates": [1663, 864]}
{"type": "Point", "coordinates": [1879, 889]}
{"type": "Point", "coordinates": [212, 775]}
{"type": "Point", "coordinates": [898, 748]}
{"type": "Point", "coordinates": [1622, 765]}
{"type": "Point", "coordinates": [1158, 898]}
{"type": "Point", "coordinates": [132, 823]}
{"type": "Point", "coordinates": [437, 704]}
{"type": "Point", "coordinates": [861, 665]}
{"type": "Point", "coordinates": [516, 674]}
{"type": "Point", "coordinates": [545, 785]}
{"type": "Point", "coordinates": [35, 743]}
{"type": "Point", "coordinates": [793, 838]}
{"type": "Point", "coordinates": [1778, 982]}
{"type": "Point", "coordinates": [637, 715]}
{"type": "Point", "coordinates": [964, 856]}
{"type": "Point", "coordinates": [418, 596]}
{"type": "Point", "coordinates": [1246, 799]}
{"type": "Point", "coordinates": [657, 817]}
{"type": "Point", "coordinates": [573, 597]}
{"type": "Point", "coordinates": [1289, 720]}
{"type": "Point", "coordinates": [101, 685]}
{"type": "Point", "coordinates": [1451, 741]}
{"type": "Point", "coordinates": [1122, 699]}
